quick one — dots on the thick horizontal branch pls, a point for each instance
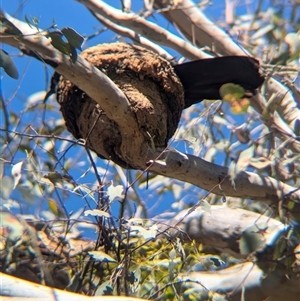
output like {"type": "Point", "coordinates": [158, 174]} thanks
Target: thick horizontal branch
{"type": "Point", "coordinates": [216, 179]}
{"type": "Point", "coordinates": [221, 227]}
{"type": "Point", "coordinates": [13, 288]}
{"type": "Point", "coordinates": [247, 281]}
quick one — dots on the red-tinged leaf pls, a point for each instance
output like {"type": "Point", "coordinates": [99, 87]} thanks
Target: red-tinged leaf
{"type": "Point", "coordinates": [242, 134]}
{"type": "Point", "coordinates": [231, 91]}
{"type": "Point", "coordinates": [13, 224]}
{"type": "Point", "coordinates": [234, 95]}
{"type": "Point", "coordinates": [239, 106]}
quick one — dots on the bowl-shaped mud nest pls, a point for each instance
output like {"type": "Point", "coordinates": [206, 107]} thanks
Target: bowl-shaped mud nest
{"type": "Point", "coordinates": [151, 86]}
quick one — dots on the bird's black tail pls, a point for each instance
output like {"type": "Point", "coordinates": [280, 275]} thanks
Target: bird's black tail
{"type": "Point", "coordinates": [202, 79]}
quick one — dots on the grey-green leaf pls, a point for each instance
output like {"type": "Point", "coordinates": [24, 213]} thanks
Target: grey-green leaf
{"type": "Point", "coordinates": [58, 42]}
{"type": "Point", "coordinates": [73, 37]}
{"type": "Point", "coordinates": [8, 65]}
{"type": "Point", "coordinates": [32, 22]}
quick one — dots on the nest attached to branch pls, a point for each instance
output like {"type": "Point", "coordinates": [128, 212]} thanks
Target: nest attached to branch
{"type": "Point", "coordinates": [151, 86]}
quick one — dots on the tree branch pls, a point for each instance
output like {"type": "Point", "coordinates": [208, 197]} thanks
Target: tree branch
{"type": "Point", "coordinates": [144, 28]}
{"type": "Point", "coordinates": [126, 32]}
{"type": "Point", "coordinates": [16, 289]}
{"type": "Point", "coordinates": [222, 227]}
{"type": "Point", "coordinates": [247, 281]}
{"type": "Point", "coordinates": [215, 178]}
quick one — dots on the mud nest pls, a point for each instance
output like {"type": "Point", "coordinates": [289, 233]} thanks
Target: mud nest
{"type": "Point", "coordinates": [151, 86]}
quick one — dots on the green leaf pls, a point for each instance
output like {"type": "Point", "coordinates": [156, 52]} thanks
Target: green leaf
{"type": "Point", "coordinates": [54, 177]}
{"type": "Point", "coordinates": [54, 208]}
{"type": "Point", "coordinates": [58, 42]}
{"type": "Point", "coordinates": [229, 91]}
{"type": "Point", "coordinates": [73, 53]}
{"type": "Point", "coordinates": [6, 27]}
{"type": "Point", "coordinates": [279, 248]}
{"type": "Point", "coordinates": [74, 282]}
{"type": "Point", "coordinates": [8, 65]}
{"type": "Point", "coordinates": [180, 248]}
{"type": "Point", "coordinates": [105, 289]}
{"type": "Point", "coordinates": [234, 94]}
{"type": "Point", "coordinates": [73, 37]}
{"type": "Point", "coordinates": [32, 21]}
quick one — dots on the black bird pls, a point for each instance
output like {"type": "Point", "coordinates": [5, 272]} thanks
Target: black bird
{"type": "Point", "coordinates": [202, 79]}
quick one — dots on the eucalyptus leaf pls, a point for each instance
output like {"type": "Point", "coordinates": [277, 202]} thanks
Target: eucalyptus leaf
{"type": "Point", "coordinates": [105, 289]}
{"type": "Point", "coordinates": [73, 37]}
{"type": "Point", "coordinates": [58, 42]}
{"type": "Point", "coordinates": [8, 65]}
{"type": "Point", "coordinates": [101, 256]}
{"type": "Point", "coordinates": [229, 91]}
